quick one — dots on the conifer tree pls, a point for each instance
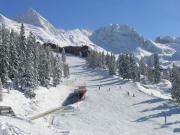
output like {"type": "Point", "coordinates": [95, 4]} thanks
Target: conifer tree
{"type": "Point", "coordinates": [157, 70]}
{"type": "Point", "coordinates": [4, 54]}
{"type": "Point", "coordinates": [29, 77]}
{"type": "Point", "coordinates": [63, 55]}
{"type": "Point", "coordinates": [22, 49]}
{"type": "Point", "coordinates": [44, 67]}
{"type": "Point", "coordinates": [126, 67]}
{"type": "Point", "coordinates": [36, 59]}
{"type": "Point", "coordinates": [1, 91]}
{"type": "Point", "coordinates": [103, 60]}
{"type": "Point", "coordinates": [91, 60]}
{"type": "Point", "coordinates": [132, 67]}
{"type": "Point", "coordinates": [13, 56]}
{"type": "Point", "coordinates": [175, 80]}
{"type": "Point", "coordinates": [66, 70]}
{"type": "Point", "coordinates": [112, 65]}
{"type": "Point", "coordinates": [107, 59]}
{"type": "Point", "coordinates": [57, 70]}
{"type": "Point", "coordinates": [142, 67]}
{"type": "Point", "coordinates": [120, 66]}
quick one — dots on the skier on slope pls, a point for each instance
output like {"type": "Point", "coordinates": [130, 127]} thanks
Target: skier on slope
{"type": "Point", "coordinates": [128, 93]}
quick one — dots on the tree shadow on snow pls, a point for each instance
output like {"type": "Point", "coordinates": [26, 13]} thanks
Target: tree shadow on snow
{"type": "Point", "coordinates": [109, 79]}
{"type": "Point", "coordinates": [112, 83]}
{"type": "Point", "coordinates": [150, 101]}
{"type": "Point", "coordinates": [167, 108]}
{"type": "Point", "coordinates": [176, 130]}
{"type": "Point", "coordinates": [172, 111]}
{"type": "Point", "coordinates": [101, 78]}
{"type": "Point", "coordinates": [164, 106]}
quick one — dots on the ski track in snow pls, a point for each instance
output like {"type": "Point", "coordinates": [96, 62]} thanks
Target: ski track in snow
{"type": "Point", "coordinates": [113, 112]}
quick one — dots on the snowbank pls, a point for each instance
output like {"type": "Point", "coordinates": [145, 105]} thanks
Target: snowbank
{"type": "Point", "coordinates": [161, 90]}
{"type": "Point", "coordinates": [13, 126]}
{"type": "Point", "coordinates": [45, 99]}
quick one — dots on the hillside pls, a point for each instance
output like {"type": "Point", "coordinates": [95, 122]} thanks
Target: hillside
{"type": "Point", "coordinates": [106, 111]}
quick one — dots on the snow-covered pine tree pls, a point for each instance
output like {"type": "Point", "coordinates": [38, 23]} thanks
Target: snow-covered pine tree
{"type": "Point", "coordinates": [29, 77]}
{"type": "Point", "coordinates": [97, 59]}
{"type": "Point", "coordinates": [126, 66]}
{"type": "Point", "coordinates": [175, 80]}
{"type": "Point", "coordinates": [132, 67]}
{"type": "Point", "coordinates": [173, 72]}
{"type": "Point", "coordinates": [107, 59]}
{"type": "Point", "coordinates": [22, 49]}
{"type": "Point", "coordinates": [36, 58]}
{"type": "Point", "coordinates": [13, 56]}
{"type": "Point", "coordinates": [91, 59]}
{"type": "Point", "coordinates": [142, 67]}
{"type": "Point", "coordinates": [103, 60]}
{"type": "Point", "coordinates": [150, 71]}
{"type": "Point", "coordinates": [88, 59]}
{"type": "Point", "coordinates": [57, 70]}
{"type": "Point", "coordinates": [120, 65]}
{"type": "Point", "coordinates": [44, 67]}
{"type": "Point", "coordinates": [137, 74]}
{"type": "Point", "coordinates": [4, 54]}
{"type": "Point", "coordinates": [112, 65]}
{"type": "Point", "coordinates": [157, 70]}
{"type": "Point", "coordinates": [66, 70]}
{"type": "Point", "coordinates": [63, 55]}
{"type": "Point", "coordinates": [1, 91]}
{"type": "Point", "coordinates": [150, 74]}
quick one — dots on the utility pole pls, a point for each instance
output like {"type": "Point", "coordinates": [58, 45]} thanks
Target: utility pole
{"type": "Point", "coordinates": [165, 118]}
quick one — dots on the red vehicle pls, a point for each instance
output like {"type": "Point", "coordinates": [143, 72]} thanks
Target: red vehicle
{"type": "Point", "coordinates": [81, 91]}
{"type": "Point", "coordinates": [76, 96]}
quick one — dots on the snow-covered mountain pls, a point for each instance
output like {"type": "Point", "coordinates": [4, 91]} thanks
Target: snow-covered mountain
{"type": "Point", "coordinates": [117, 38]}
{"type": "Point", "coordinates": [46, 32]}
{"type": "Point", "coordinates": [122, 38]}
{"type": "Point", "coordinates": [114, 37]}
{"type": "Point", "coordinates": [34, 18]}
{"type": "Point", "coordinates": [172, 42]}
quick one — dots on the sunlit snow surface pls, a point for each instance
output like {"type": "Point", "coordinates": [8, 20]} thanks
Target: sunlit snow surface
{"type": "Point", "coordinates": [103, 112]}
{"type": "Point", "coordinates": [113, 112]}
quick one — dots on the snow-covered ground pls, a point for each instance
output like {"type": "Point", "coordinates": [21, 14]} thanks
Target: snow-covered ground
{"type": "Point", "coordinates": [14, 126]}
{"type": "Point", "coordinates": [108, 111]}
{"type": "Point", "coordinates": [46, 99]}
{"type": "Point", "coordinates": [113, 112]}
{"type": "Point", "coordinates": [161, 90]}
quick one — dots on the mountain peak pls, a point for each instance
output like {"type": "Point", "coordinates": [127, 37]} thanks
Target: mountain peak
{"type": "Point", "coordinates": [32, 13]}
{"type": "Point", "coordinates": [31, 10]}
{"type": "Point", "coordinates": [117, 38]}
{"type": "Point", "coordinates": [31, 16]}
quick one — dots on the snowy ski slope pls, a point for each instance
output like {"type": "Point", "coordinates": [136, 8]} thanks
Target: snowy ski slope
{"type": "Point", "coordinates": [113, 112]}
{"type": "Point", "coordinates": [103, 112]}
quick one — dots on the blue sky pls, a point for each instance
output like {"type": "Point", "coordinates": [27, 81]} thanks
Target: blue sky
{"type": "Point", "coordinates": [151, 18]}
